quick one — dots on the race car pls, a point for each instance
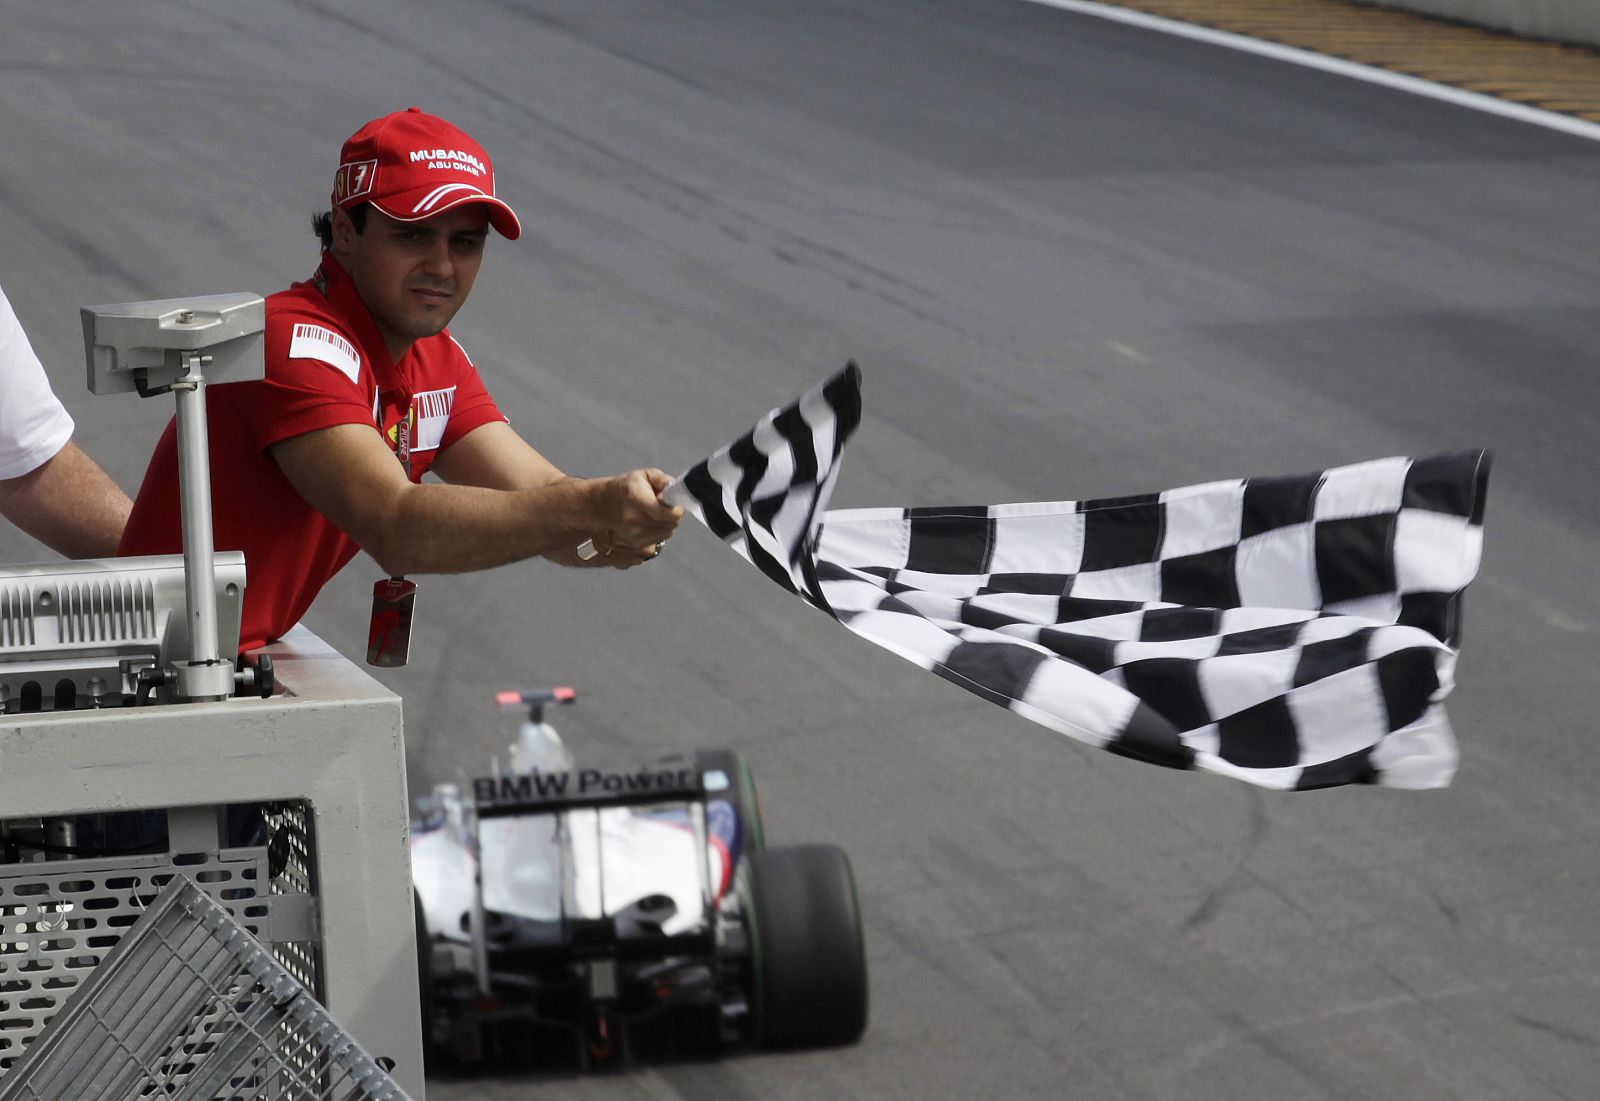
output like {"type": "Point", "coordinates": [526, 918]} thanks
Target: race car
{"type": "Point", "coordinates": [612, 912]}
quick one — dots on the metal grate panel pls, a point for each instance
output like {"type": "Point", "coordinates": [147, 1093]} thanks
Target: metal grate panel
{"type": "Point", "coordinates": [59, 919]}
{"type": "Point", "coordinates": [291, 846]}
{"type": "Point", "coordinates": [190, 1006]}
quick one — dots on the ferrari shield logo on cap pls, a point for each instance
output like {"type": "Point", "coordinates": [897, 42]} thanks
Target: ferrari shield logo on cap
{"type": "Point", "coordinates": [354, 180]}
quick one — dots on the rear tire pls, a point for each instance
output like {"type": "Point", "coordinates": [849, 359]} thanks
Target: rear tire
{"type": "Point", "coordinates": [808, 955]}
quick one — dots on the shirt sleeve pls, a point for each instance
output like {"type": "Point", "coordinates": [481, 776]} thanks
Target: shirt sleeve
{"type": "Point", "coordinates": [34, 425]}
{"type": "Point", "coordinates": [473, 407]}
{"type": "Point", "coordinates": [316, 378]}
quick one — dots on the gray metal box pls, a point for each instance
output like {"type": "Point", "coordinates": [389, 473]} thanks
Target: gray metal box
{"type": "Point", "coordinates": [327, 752]}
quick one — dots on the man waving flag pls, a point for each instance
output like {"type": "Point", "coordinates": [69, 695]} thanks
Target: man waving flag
{"type": "Point", "coordinates": [1295, 632]}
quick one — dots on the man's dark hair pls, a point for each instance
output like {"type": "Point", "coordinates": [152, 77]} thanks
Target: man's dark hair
{"type": "Point", "coordinates": [323, 223]}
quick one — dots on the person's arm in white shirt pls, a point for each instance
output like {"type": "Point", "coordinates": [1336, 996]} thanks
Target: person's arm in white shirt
{"type": "Point", "coordinates": [69, 504]}
{"type": "Point", "coordinates": [48, 487]}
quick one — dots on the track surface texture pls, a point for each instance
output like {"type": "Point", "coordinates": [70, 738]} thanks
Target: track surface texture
{"type": "Point", "coordinates": [1074, 259]}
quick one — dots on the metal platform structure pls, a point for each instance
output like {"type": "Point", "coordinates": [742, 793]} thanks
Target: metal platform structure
{"type": "Point", "coordinates": [330, 891]}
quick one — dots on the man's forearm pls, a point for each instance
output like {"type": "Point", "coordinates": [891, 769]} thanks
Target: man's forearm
{"type": "Point", "coordinates": [458, 529]}
{"type": "Point", "coordinates": [525, 510]}
{"type": "Point", "coordinates": [69, 504]}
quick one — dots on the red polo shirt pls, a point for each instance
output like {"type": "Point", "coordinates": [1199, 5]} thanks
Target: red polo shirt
{"type": "Point", "coordinates": [326, 365]}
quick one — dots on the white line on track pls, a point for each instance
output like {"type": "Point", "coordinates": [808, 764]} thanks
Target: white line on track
{"type": "Point", "coordinates": [1476, 101]}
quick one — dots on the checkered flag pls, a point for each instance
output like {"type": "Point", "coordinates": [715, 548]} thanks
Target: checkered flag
{"type": "Point", "coordinates": [1295, 632]}
{"type": "Point", "coordinates": [761, 494]}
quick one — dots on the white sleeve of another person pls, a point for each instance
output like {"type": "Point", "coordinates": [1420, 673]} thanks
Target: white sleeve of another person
{"type": "Point", "coordinates": [33, 423]}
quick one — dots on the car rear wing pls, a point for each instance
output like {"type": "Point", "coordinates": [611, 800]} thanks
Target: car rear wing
{"type": "Point", "coordinates": [557, 794]}
{"type": "Point", "coordinates": [586, 788]}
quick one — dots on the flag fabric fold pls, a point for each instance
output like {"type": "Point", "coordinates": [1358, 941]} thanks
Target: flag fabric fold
{"type": "Point", "coordinates": [1294, 632]}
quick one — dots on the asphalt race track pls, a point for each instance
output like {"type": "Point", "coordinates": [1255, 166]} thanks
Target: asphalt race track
{"type": "Point", "coordinates": [1073, 259]}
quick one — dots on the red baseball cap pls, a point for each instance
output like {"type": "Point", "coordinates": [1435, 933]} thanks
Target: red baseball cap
{"type": "Point", "coordinates": [413, 165]}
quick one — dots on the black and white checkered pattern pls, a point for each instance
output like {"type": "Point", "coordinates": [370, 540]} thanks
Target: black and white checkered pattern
{"type": "Point", "coordinates": [1295, 632]}
{"type": "Point", "coordinates": [761, 494]}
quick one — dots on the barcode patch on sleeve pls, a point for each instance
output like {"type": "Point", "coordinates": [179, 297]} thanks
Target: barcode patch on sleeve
{"type": "Point", "coordinates": [325, 346]}
{"type": "Point", "coordinates": [433, 415]}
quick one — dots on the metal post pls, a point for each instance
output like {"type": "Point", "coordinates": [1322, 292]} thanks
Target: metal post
{"type": "Point", "coordinates": [204, 676]}
{"type": "Point", "coordinates": [480, 912]}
